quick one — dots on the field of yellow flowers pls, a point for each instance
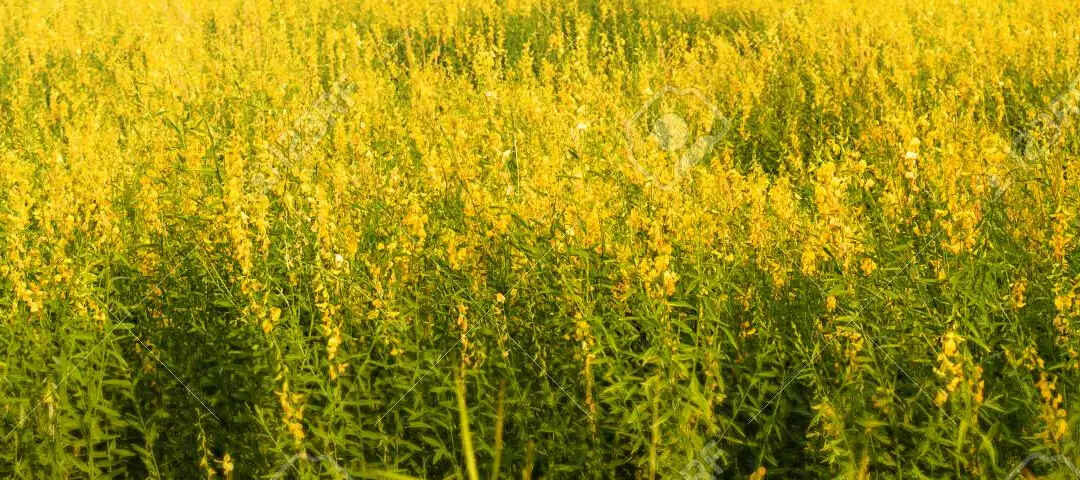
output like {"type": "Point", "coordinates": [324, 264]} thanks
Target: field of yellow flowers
{"type": "Point", "coordinates": [465, 239]}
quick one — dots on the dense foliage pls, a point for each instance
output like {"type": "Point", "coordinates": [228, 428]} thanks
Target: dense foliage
{"type": "Point", "coordinates": [564, 239]}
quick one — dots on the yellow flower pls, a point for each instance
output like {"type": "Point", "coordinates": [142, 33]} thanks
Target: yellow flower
{"type": "Point", "coordinates": [758, 474]}
{"type": "Point", "coordinates": [669, 282]}
{"type": "Point", "coordinates": [941, 398]}
{"type": "Point", "coordinates": [227, 465]}
{"type": "Point", "coordinates": [269, 322]}
{"type": "Point", "coordinates": [1017, 295]}
{"type": "Point", "coordinates": [868, 266]}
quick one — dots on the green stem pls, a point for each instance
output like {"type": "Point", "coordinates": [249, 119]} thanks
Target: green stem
{"type": "Point", "coordinates": [498, 432]}
{"type": "Point", "coordinates": [466, 436]}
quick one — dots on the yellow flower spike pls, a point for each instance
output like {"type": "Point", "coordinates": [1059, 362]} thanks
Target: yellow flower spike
{"type": "Point", "coordinates": [670, 278]}
{"type": "Point", "coordinates": [1017, 294]}
{"type": "Point", "coordinates": [227, 465]}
